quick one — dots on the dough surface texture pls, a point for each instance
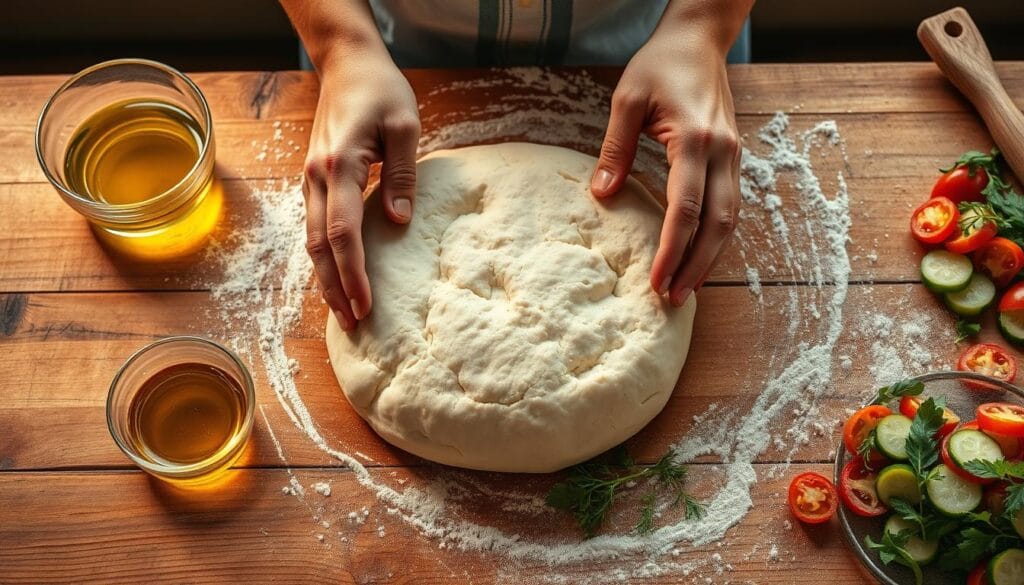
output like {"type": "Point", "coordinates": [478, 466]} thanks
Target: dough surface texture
{"type": "Point", "coordinates": [513, 325]}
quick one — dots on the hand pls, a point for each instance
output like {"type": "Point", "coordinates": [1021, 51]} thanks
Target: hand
{"type": "Point", "coordinates": [677, 92]}
{"type": "Point", "coordinates": [366, 113]}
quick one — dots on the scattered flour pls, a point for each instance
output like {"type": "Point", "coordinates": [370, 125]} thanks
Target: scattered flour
{"type": "Point", "coordinates": [322, 488]}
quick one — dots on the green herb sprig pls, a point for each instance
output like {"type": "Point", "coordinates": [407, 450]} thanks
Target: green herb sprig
{"type": "Point", "coordinates": [892, 548]}
{"type": "Point", "coordinates": [922, 446]}
{"type": "Point", "coordinates": [966, 329]}
{"type": "Point", "coordinates": [1009, 471]}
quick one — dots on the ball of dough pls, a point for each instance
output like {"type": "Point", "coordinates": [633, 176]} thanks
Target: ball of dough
{"type": "Point", "coordinates": [513, 325]}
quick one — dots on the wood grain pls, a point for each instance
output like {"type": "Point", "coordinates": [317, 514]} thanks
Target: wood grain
{"type": "Point", "coordinates": [246, 530]}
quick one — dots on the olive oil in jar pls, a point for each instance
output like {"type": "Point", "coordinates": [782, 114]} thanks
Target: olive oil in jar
{"type": "Point", "coordinates": [186, 414]}
{"type": "Point", "coordinates": [136, 151]}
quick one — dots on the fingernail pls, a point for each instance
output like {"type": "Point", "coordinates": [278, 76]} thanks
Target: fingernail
{"type": "Point", "coordinates": [343, 320]}
{"type": "Point", "coordinates": [402, 207]}
{"type": "Point", "coordinates": [664, 285]}
{"type": "Point", "coordinates": [357, 308]}
{"type": "Point", "coordinates": [602, 180]}
{"type": "Point", "coordinates": [681, 297]}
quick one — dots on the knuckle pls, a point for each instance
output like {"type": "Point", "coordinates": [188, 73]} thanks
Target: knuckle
{"type": "Point", "coordinates": [627, 99]}
{"type": "Point", "coordinates": [728, 142]}
{"type": "Point", "coordinates": [726, 221]}
{"type": "Point", "coordinates": [340, 235]}
{"type": "Point", "coordinates": [317, 246]}
{"type": "Point", "coordinates": [615, 150]}
{"type": "Point", "coordinates": [401, 175]}
{"type": "Point", "coordinates": [311, 169]}
{"type": "Point", "coordinates": [688, 211]}
{"type": "Point", "coordinates": [402, 125]}
{"type": "Point", "coordinates": [700, 139]}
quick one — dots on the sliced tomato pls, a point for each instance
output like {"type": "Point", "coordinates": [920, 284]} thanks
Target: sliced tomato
{"type": "Point", "coordinates": [857, 489]}
{"type": "Point", "coordinates": [956, 469]}
{"type": "Point", "coordinates": [1012, 447]}
{"type": "Point", "coordinates": [1002, 417]}
{"type": "Point", "coordinates": [812, 498]}
{"type": "Point", "coordinates": [910, 404]}
{"type": "Point", "coordinates": [1013, 298]}
{"type": "Point", "coordinates": [961, 184]}
{"type": "Point", "coordinates": [934, 221]}
{"type": "Point", "coordinates": [994, 498]}
{"type": "Point", "coordinates": [860, 424]}
{"type": "Point", "coordinates": [979, 574]}
{"type": "Point", "coordinates": [1001, 259]}
{"type": "Point", "coordinates": [971, 233]}
{"type": "Point", "coordinates": [989, 359]}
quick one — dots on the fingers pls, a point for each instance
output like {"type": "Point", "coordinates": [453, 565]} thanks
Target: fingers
{"type": "Point", "coordinates": [344, 233]}
{"type": "Point", "coordinates": [685, 194]}
{"type": "Point", "coordinates": [719, 220]}
{"type": "Point", "coordinates": [320, 252]}
{"type": "Point", "coordinates": [620, 142]}
{"type": "Point", "coordinates": [398, 174]}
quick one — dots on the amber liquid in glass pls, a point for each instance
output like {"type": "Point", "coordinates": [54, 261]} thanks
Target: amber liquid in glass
{"type": "Point", "coordinates": [186, 413]}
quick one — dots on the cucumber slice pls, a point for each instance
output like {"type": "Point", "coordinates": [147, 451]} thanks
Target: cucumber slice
{"type": "Point", "coordinates": [1018, 523]}
{"type": "Point", "coordinates": [922, 551]}
{"type": "Point", "coordinates": [891, 436]}
{"type": "Point", "coordinates": [898, 481]}
{"type": "Point", "coordinates": [974, 299]}
{"type": "Point", "coordinates": [951, 494]}
{"type": "Point", "coordinates": [1011, 325]}
{"type": "Point", "coordinates": [1007, 568]}
{"type": "Point", "coordinates": [969, 444]}
{"type": "Point", "coordinates": [944, 271]}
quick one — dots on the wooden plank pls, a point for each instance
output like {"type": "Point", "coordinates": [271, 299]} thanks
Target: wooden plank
{"type": "Point", "coordinates": [61, 350]}
{"type": "Point", "coordinates": [886, 179]}
{"type": "Point", "coordinates": [120, 527]}
{"type": "Point", "coordinates": [832, 88]}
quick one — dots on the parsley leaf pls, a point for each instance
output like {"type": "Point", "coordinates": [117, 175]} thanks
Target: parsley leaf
{"type": "Point", "coordinates": [1014, 501]}
{"type": "Point", "coordinates": [1000, 469]}
{"type": "Point", "coordinates": [1010, 206]}
{"type": "Point", "coordinates": [972, 544]}
{"type": "Point", "coordinates": [965, 329]}
{"type": "Point", "coordinates": [891, 549]}
{"type": "Point", "coordinates": [922, 448]}
{"type": "Point", "coordinates": [909, 387]}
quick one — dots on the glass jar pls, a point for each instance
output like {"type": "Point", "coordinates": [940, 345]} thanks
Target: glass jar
{"type": "Point", "coordinates": [173, 223]}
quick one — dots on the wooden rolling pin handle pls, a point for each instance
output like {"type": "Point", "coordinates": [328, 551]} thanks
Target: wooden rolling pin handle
{"type": "Point", "coordinates": [954, 43]}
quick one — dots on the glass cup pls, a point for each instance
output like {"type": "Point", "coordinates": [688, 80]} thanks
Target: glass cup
{"type": "Point", "coordinates": [171, 224]}
{"type": "Point", "coordinates": [140, 368]}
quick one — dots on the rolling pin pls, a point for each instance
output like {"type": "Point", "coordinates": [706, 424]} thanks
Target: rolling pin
{"type": "Point", "coordinates": [954, 43]}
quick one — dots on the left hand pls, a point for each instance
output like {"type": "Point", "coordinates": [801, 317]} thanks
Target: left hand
{"type": "Point", "coordinates": [675, 89]}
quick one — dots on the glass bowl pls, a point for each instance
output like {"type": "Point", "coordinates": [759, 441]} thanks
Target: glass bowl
{"type": "Point", "coordinates": [963, 401]}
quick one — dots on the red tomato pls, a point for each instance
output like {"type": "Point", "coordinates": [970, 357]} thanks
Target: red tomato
{"type": "Point", "coordinates": [1002, 417]}
{"type": "Point", "coordinates": [978, 575]}
{"type": "Point", "coordinates": [988, 359]}
{"type": "Point", "coordinates": [934, 221]}
{"type": "Point", "coordinates": [1013, 298]}
{"type": "Point", "coordinates": [860, 424]}
{"type": "Point", "coordinates": [857, 489]}
{"type": "Point", "coordinates": [910, 404]}
{"type": "Point", "coordinates": [974, 238]}
{"type": "Point", "coordinates": [958, 184]}
{"type": "Point", "coordinates": [1001, 258]}
{"type": "Point", "coordinates": [1012, 447]}
{"type": "Point", "coordinates": [812, 498]}
{"type": "Point", "coordinates": [956, 469]}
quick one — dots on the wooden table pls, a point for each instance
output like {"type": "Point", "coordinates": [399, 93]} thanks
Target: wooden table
{"type": "Point", "coordinates": [73, 509]}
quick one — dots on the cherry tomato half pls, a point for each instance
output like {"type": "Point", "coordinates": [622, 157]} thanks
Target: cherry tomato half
{"type": "Point", "coordinates": [1003, 418]}
{"type": "Point", "coordinates": [959, 184]}
{"type": "Point", "coordinates": [988, 359]}
{"type": "Point", "coordinates": [977, 234]}
{"type": "Point", "coordinates": [934, 221]}
{"type": "Point", "coordinates": [1013, 298]}
{"type": "Point", "coordinates": [910, 404]}
{"type": "Point", "coordinates": [1001, 258]}
{"type": "Point", "coordinates": [857, 489]}
{"type": "Point", "coordinates": [812, 498]}
{"type": "Point", "coordinates": [860, 424]}
{"type": "Point", "coordinates": [956, 469]}
{"type": "Point", "coordinates": [1012, 447]}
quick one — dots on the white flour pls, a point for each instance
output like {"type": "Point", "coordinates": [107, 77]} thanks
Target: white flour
{"type": "Point", "coordinates": [267, 275]}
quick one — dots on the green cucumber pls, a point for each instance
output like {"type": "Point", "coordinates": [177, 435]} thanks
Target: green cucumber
{"type": "Point", "coordinates": [891, 436]}
{"type": "Point", "coordinates": [943, 271]}
{"type": "Point", "coordinates": [969, 444]}
{"type": "Point", "coordinates": [974, 299]}
{"type": "Point", "coordinates": [951, 494]}
{"type": "Point", "coordinates": [898, 481]}
{"type": "Point", "coordinates": [1007, 568]}
{"type": "Point", "coordinates": [922, 551]}
{"type": "Point", "coordinates": [1011, 325]}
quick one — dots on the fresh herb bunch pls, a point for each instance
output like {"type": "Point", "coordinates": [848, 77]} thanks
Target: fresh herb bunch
{"type": "Point", "coordinates": [592, 486]}
{"type": "Point", "coordinates": [983, 536]}
{"type": "Point", "coordinates": [922, 446]}
{"type": "Point", "coordinates": [892, 548]}
{"type": "Point", "coordinates": [908, 387]}
{"type": "Point", "coordinates": [1008, 471]}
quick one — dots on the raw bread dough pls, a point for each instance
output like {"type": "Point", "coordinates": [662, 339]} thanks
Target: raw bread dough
{"type": "Point", "coordinates": [513, 325]}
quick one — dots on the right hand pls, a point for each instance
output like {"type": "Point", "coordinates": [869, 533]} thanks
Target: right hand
{"type": "Point", "coordinates": [366, 113]}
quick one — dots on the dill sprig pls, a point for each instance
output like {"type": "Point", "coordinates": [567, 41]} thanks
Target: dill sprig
{"type": "Point", "coordinates": [592, 486]}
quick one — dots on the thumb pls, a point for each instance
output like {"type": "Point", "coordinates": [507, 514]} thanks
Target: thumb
{"type": "Point", "coordinates": [620, 142]}
{"type": "Point", "coordinates": [398, 173]}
